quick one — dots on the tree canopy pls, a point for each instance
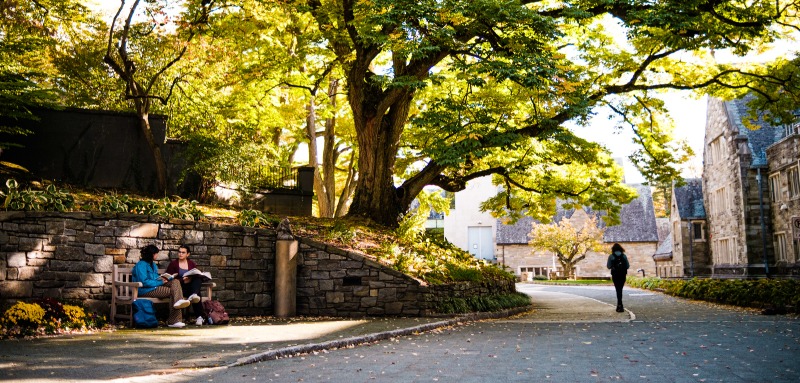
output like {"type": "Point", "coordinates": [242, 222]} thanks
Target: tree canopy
{"type": "Point", "coordinates": [446, 91]}
{"type": "Point", "coordinates": [409, 94]}
{"type": "Point", "coordinates": [568, 241]}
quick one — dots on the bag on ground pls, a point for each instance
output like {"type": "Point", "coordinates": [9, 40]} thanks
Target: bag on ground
{"type": "Point", "coordinates": [144, 314]}
{"type": "Point", "coordinates": [215, 312]}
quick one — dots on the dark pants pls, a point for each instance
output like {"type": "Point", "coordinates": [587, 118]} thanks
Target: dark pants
{"type": "Point", "coordinates": [619, 282]}
{"type": "Point", "coordinates": [193, 287]}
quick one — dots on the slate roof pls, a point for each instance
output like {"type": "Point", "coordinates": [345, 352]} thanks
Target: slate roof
{"type": "Point", "coordinates": [757, 140]}
{"type": "Point", "coordinates": [689, 199]}
{"type": "Point", "coordinates": [637, 222]}
{"type": "Point", "coordinates": [664, 250]}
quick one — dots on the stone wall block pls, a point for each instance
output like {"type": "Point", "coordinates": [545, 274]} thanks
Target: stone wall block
{"type": "Point", "coordinates": [55, 227]}
{"type": "Point", "coordinates": [92, 280]}
{"type": "Point", "coordinates": [28, 273]}
{"type": "Point", "coordinates": [104, 231]}
{"type": "Point", "coordinates": [325, 285]}
{"type": "Point", "coordinates": [104, 264]}
{"type": "Point", "coordinates": [171, 234]}
{"type": "Point", "coordinates": [193, 237]}
{"type": "Point", "coordinates": [94, 249]}
{"type": "Point", "coordinates": [16, 289]}
{"type": "Point", "coordinates": [218, 261]}
{"type": "Point", "coordinates": [32, 228]}
{"type": "Point", "coordinates": [37, 262]}
{"type": "Point", "coordinates": [57, 265]}
{"type": "Point", "coordinates": [12, 273]}
{"type": "Point", "coordinates": [262, 301]}
{"type": "Point", "coordinates": [17, 260]}
{"type": "Point", "coordinates": [242, 253]}
{"type": "Point", "coordinates": [72, 253]}
{"type": "Point", "coordinates": [3, 238]}
{"type": "Point", "coordinates": [30, 244]}
{"type": "Point", "coordinates": [251, 265]}
{"type": "Point", "coordinates": [84, 236]}
{"type": "Point", "coordinates": [334, 297]}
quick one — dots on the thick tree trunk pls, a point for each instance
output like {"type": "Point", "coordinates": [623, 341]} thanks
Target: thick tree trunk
{"type": "Point", "coordinates": [143, 111]}
{"type": "Point", "coordinates": [376, 196]}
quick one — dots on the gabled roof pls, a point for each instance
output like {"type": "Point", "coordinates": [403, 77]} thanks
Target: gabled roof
{"type": "Point", "coordinates": [637, 222]}
{"type": "Point", "coordinates": [689, 199]}
{"type": "Point", "coordinates": [757, 140]}
{"type": "Point", "coordinates": [664, 251]}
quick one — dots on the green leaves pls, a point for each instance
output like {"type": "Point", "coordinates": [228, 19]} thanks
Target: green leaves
{"type": "Point", "coordinates": [49, 199]}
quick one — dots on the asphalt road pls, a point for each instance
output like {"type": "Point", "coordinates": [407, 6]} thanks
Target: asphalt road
{"type": "Point", "coordinates": [573, 335]}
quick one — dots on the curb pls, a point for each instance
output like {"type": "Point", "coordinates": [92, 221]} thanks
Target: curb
{"type": "Point", "coordinates": [374, 337]}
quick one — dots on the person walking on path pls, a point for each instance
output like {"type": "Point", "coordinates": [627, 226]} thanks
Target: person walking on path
{"type": "Point", "coordinates": [155, 286]}
{"type": "Point", "coordinates": [618, 264]}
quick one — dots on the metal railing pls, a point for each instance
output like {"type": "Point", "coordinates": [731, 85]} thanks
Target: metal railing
{"type": "Point", "coordinates": [264, 177]}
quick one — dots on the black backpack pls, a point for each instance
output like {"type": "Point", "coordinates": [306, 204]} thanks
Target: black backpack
{"type": "Point", "coordinates": [618, 263]}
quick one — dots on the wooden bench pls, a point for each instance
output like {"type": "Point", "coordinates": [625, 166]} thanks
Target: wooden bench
{"type": "Point", "coordinates": [124, 292]}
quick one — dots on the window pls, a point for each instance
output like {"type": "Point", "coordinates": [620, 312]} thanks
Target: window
{"type": "Point", "coordinates": [534, 270]}
{"type": "Point", "coordinates": [715, 150]}
{"type": "Point", "coordinates": [698, 231]}
{"type": "Point", "coordinates": [793, 178]}
{"type": "Point", "coordinates": [724, 250]}
{"type": "Point", "coordinates": [790, 129]}
{"type": "Point", "coordinates": [780, 247]}
{"type": "Point", "coordinates": [775, 187]}
{"type": "Point", "coordinates": [721, 201]}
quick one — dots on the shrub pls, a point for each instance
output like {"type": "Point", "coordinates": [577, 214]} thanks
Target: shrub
{"type": "Point", "coordinates": [24, 315]}
{"type": "Point", "coordinates": [49, 199]}
{"type": "Point", "coordinates": [255, 218]}
{"type": "Point", "coordinates": [778, 294]}
{"type": "Point", "coordinates": [47, 316]}
{"type": "Point", "coordinates": [488, 303]}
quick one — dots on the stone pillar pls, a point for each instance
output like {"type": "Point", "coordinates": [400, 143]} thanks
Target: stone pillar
{"type": "Point", "coordinates": [285, 272]}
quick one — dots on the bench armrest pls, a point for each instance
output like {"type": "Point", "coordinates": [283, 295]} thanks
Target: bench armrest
{"type": "Point", "coordinates": [129, 284]}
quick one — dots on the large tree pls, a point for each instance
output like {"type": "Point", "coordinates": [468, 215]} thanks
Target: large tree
{"type": "Point", "coordinates": [510, 77]}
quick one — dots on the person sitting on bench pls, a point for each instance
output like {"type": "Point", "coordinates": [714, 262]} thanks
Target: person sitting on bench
{"type": "Point", "coordinates": [156, 286]}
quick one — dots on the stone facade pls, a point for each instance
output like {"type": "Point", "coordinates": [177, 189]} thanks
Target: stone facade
{"type": "Point", "coordinates": [637, 233]}
{"type": "Point", "coordinates": [519, 258]}
{"type": "Point", "coordinates": [783, 159]}
{"type": "Point", "coordinates": [71, 256]}
{"type": "Point", "coordinates": [686, 254]}
{"type": "Point", "coordinates": [736, 193]}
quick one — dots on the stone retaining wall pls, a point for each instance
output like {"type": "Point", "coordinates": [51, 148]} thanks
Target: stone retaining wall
{"type": "Point", "coordinates": [71, 256]}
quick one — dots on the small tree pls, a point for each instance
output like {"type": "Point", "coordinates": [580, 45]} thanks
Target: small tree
{"type": "Point", "coordinates": [567, 242]}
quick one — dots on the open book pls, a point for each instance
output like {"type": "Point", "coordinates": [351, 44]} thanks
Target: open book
{"type": "Point", "coordinates": [205, 275]}
{"type": "Point", "coordinates": [168, 276]}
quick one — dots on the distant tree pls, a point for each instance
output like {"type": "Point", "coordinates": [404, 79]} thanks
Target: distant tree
{"type": "Point", "coordinates": [569, 243]}
{"type": "Point", "coordinates": [141, 53]}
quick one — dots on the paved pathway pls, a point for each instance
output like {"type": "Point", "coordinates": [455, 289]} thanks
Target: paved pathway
{"type": "Point", "coordinates": [660, 339]}
{"type": "Point", "coordinates": [572, 335]}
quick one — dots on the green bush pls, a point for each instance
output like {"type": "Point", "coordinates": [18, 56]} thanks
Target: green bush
{"type": "Point", "coordinates": [255, 218]}
{"type": "Point", "coordinates": [489, 303]}
{"type": "Point", "coordinates": [779, 294]}
{"type": "Point", "coordinates": [180, 208]}
{"type": "Point", "coordinates": [49, 199]}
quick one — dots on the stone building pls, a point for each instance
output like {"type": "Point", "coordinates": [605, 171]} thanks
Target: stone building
{"type": "Point", "coordinates": [685, 251]}
{"type": "Point", "coordinates": [739, 203]}
{"type": "Point", "coordinates": [783, 161]}
{"type": "Point", "coordinates": [637, 233]}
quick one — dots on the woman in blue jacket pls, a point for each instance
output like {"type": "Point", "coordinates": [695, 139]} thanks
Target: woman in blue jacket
{"type": "Point", "coordinates": [618, 264]}
{"type": "Point", "coordinates": [155, 286]}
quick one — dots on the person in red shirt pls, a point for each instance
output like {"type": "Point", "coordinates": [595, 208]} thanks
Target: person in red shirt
{"type": "Point", "coordinates": [189, 284]}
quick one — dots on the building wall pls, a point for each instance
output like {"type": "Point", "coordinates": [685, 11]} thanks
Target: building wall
{"type": "Point", "coordinates": [782, 156]}
{"type": "Point", "coordinates": [467, 212]}
{"type": "Point", "coordinates": [725, 218]}
{"type": "Point", "coordinates": [640, 256]}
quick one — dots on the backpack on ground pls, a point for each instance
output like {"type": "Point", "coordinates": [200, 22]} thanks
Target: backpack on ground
{"type": "Point", "coordinates": [215, 312]}
{"type": "Point", "coordinates": [144, 314]}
